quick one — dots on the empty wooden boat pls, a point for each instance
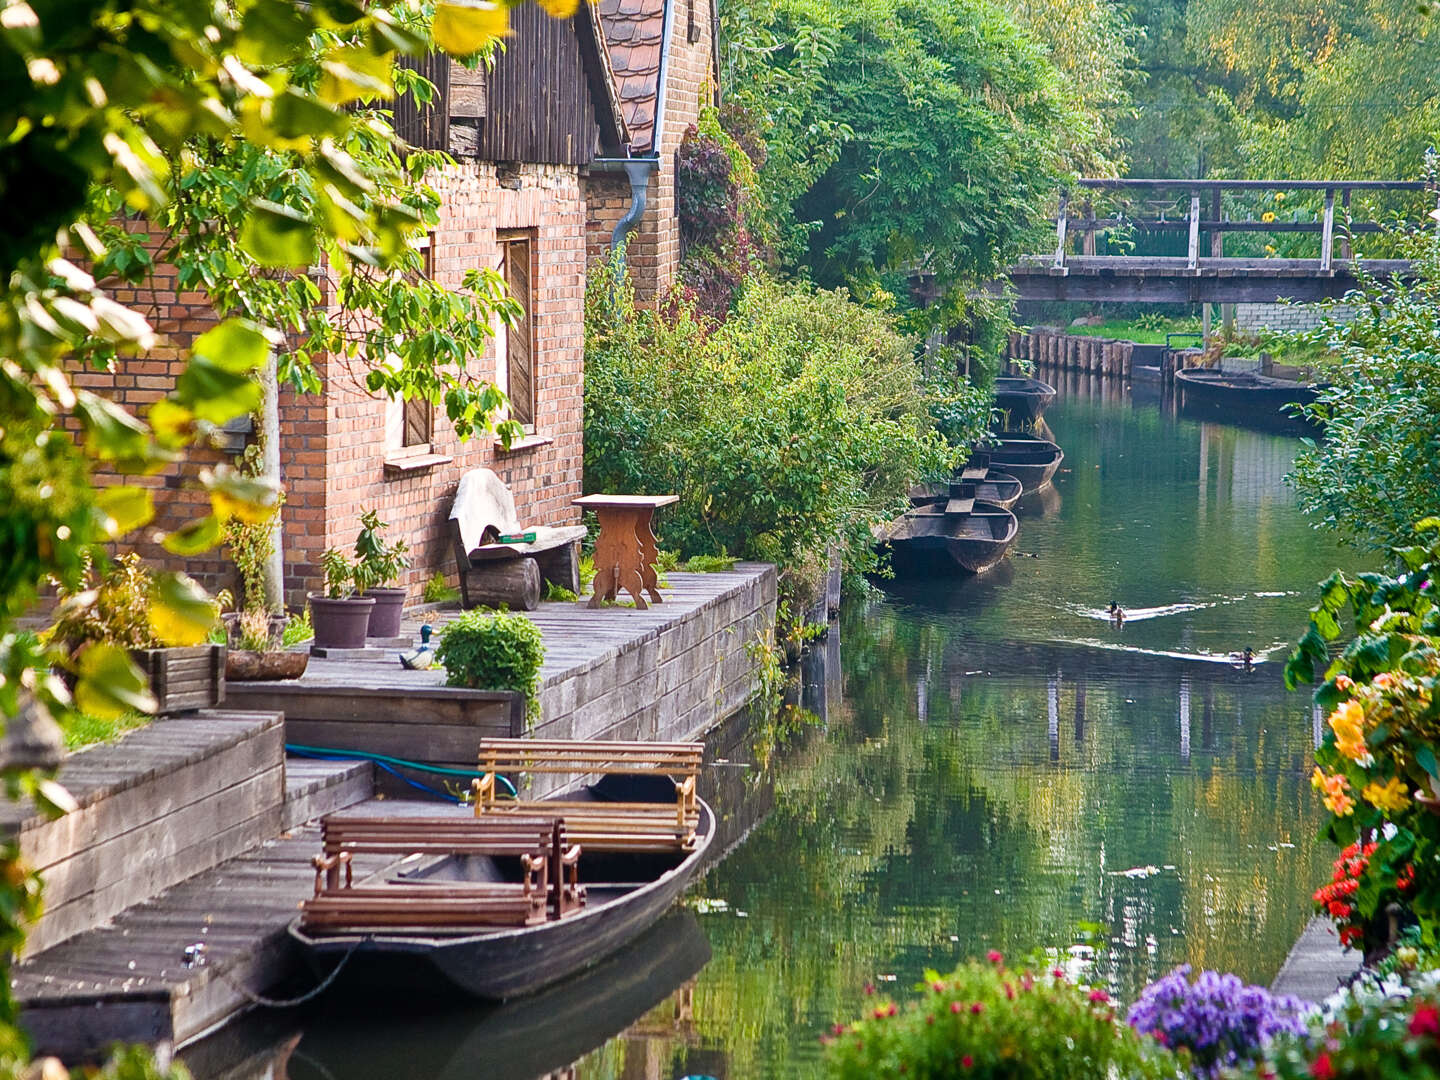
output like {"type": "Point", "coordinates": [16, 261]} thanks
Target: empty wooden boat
{"type": "Point", "coordinates": [1030, 460]}
{"type": "Point", "coordinates": [625, 892]}
{"type": "Point", "coordinates": [1024, 400]}
{"type": "Point", "coordinates": [963, 534]}
{"type": "Point", "coordinates": [1238, 392]}
{"type": "Point", "coordinates": [999, 488]}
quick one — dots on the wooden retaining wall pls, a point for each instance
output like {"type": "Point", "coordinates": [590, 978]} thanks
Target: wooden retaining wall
{"type": "Point", "coordinates": [160, 805]}
{"type": "Point", "coordinates": [1046, 346]}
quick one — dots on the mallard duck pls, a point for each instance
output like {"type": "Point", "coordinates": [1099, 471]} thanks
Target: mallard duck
{"type": "Point", "coordinates": [1117, 614]}
{"type": "Point", "coordinates": [422, 656]}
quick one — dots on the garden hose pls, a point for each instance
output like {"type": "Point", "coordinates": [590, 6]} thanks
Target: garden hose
{"type": "Point", "coordinates": [389, 764]}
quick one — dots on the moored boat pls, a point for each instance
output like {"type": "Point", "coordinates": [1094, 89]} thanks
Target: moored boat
{"type": "Point", "coordinates": [930, 540]}
{"type": "Point", "coordinates": [996, 487]}
{"type": "Point", "coordinates": [1024, 400]}
{"type": "Point", "coordinates": [1030, 460]}
{"type": "Point", "coordinates": [1230, 392]}
{"type": "Point", "coordinates": [627, 891]}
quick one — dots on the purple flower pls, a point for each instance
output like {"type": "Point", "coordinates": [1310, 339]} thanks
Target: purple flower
{"type": "Point", "coordinates": [1220, 1020]}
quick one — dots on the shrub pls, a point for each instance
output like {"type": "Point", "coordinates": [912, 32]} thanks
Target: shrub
{"type": "Point", "coordinates": [115, 609]}
{"type": "Point", "coordinates": [438, 591]}
{"type": "Point", "coordinates": [487, 650]}
{"type": "Point", "coordinates": [797, 424]}
{"type": "Point", "coordinates": [985, 1021]}
{"type": "Point", "coordinates": [1366, 1033]}
{"type": "Point", "coordinates": [1217, 1021]}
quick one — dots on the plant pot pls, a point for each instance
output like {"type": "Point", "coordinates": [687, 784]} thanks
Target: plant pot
{"type": "Point", "coordinates": [231, 619]}
{"type": "Point", "coordinates": [340, 624]}
{"type": "Point", "coordinates": [184, 679]}
{"type": "Point", "coordinates": [246, 665]}
{"type": "Point", "coordinates": [385, 616]}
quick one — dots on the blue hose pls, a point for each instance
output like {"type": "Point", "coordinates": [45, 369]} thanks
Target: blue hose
{"type": "Point", "coordinates": [389, 764]}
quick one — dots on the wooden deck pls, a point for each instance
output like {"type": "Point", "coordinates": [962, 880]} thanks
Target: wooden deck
{"type": "Point", "coordinates": [1317, 965]}
{"type": "Point", "coordinates": [665, 673]}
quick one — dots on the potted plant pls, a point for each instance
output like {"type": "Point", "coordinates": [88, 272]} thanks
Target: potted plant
{"type": "Point", "coordinates": [254, 633]}
{"type": "Point", "coordinates": [377, 566]}
{"type": "Point", "coordinates": [116, 609]}
{"type": "Point", "coordinates": [340, 618]}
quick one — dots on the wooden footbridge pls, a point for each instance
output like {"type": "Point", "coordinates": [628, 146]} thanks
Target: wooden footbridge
{"type": "Point", "coordinates": [1205, 273]}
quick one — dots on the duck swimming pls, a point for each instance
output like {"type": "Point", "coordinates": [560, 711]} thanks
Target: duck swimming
{"type": "Point", "coordinates": [422, 657]}
{"type": "Point", "coordinates": [1117, 614]}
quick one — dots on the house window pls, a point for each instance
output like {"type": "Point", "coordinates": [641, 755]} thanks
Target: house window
{"type": "Point", "coordinates": [515, 344]}
{"type": "Point", "coordinates": [410, 423]}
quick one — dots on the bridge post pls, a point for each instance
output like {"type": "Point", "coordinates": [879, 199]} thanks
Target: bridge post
{"type": "Point", "coordinates": [1345, 250]}
{"type": "Point", "coordinates": [1194, 259]}
{"type": "Point", "coordinates": [1217, 237]}
{"type": "Point", "coordinates": [1327, 231]}
{"type": "Point", "coordinates": [1060, 232]}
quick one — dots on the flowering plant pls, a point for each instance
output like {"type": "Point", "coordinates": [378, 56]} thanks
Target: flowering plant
{"type": "Point", "coordinates": [983, 1020]}
{"type": "Point", "coordinates": [1377, 769]}
{"type": "Point", "coordinates": [1364, 1035]}
{"type": "Point", "coordinates": [1336, 898]}
{"type": "Point", "coordinates": [1216, 1021]}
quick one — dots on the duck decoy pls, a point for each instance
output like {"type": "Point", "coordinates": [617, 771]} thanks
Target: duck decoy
{"type": "Point", "coordinates": [422, 656]}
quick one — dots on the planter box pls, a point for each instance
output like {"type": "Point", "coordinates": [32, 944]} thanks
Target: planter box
{"type": "Point", "coordinates": [184, 679]}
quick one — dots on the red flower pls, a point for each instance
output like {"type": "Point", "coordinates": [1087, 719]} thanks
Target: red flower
{"type": "Point", "coordinates": [869, 989]}
{"type": "Point", "coordinates": [977, 1008]}
{"type": "Point", "coordinates": [937, 986]}
{"type": "Point", "coordinates": [994, 957]}
{"type": "Point", "coordinates": [1321, 1068]}
{"type": "Point", "coordinates": [1009, 992]}
{"type": "Point", "coordinates": [967, 1061]}
{"type": "Point", "coordinates": [1058, 973]}
{"type": "Point", "coordinates": [1100, 997]}
{"type": "Point", "coordinates": [893, 1009]}
{"type": "Point", "coordinates": [930, 1019]}
{"type": "Point", "coordinates": [880, 1012]}
{"type": "Point", "coordinates": [838, 1029]}
{"type": "Point", "coordinates": [1426, 1021]}
{"type": "Point", "coordinates": [954, 1006]}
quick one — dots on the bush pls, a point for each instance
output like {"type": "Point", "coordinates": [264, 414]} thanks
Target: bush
{"type": "Point", "coordinates": [1216, 1022]}
{"type": "Point", "coordinates": [487, 650]}
{"type": "Point", "coordinates": [797, 424]}
{"type": "Point", "coordinates": [1366, 1033]}
{"type": "Point", "coordinates": [984, 1021]}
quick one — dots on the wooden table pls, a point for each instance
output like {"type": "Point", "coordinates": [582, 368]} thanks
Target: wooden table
{"type": "Point", "coordinates": [625, 550]}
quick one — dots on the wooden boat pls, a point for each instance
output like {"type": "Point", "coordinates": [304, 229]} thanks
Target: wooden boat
{"type": "Point", "coordinates": [965, 534]}
{"type": "Point", "coordinates": [1232, 392]}
{"type": "Point", "coordinates": [996, 487]}
{"type": "Point", "coordinates": [627, 892]}
{"type": "Point", "coordinates": [1024, 400]}
{"type": "Point", "coordinates": [1030, 460]}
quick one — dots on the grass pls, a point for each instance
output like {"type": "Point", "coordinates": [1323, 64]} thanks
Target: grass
{"type": "Point", "coordinates": [1144, 329]}
{"type": "Point", "coordinates": [83, 729]}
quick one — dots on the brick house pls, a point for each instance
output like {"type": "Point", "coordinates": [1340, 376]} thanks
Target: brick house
{"type": "Point", "coordinates": [666, 65]}
{"type": "Point", "coordinates": [524, 134]}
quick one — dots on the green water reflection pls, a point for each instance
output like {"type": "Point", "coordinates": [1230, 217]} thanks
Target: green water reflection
{"type": "Point", "coordinates": [997, 767]}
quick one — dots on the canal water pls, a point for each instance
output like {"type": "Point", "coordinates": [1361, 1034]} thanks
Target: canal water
{"type": "Point", "coordinates": [992, 765]}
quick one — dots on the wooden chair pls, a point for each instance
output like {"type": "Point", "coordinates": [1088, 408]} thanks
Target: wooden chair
{"type": "Point", "coordinates": [650, 825]}
{"type": "Point", "coordinates": [549, 873]}
{"type": "Point", "coordinates": [493, 573]}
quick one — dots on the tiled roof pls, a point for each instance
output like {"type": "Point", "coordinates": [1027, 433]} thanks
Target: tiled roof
{"type": "Point", "coordinates": [634, 31]}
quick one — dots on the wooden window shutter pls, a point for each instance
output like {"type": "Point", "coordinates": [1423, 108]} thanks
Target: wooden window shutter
{"type": "Point", "coordinates": [418, 426]}
{"type": "Point", "coordinates": [520, 341]}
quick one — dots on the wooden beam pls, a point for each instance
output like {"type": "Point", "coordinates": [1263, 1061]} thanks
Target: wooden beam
{"type": "Point", "coordinates": [1327, 232]}
{"type": "Point", "coordinates": [1060, 233]}
{"type": "Point", "coordinates": [1194, 257]}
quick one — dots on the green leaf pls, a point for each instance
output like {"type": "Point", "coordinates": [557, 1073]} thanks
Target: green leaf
{"type": "Point", "coordinates": [1425, 758]}
{"type": "Point", "coordinates": [110, 684]}
{"type": "Point", "coordinates": [270, 32]}
{"type": "Point", "coordinates": [275, 235]}
{"type": "Point", "coordinates": [296, 113]}
{"type": "Point", "coordinates": [354, 73]}
{"type": "Point", "coordinates": [111, 433]}
{"type": "Point", "coordinates": [125, 507]}
{"type": "Point", "coordinates": [215, 393]}
{"type": "Point", "coordinates": [465, 29]}
{"type": "Point", "coordinates": [236, 345]}
{"type": "Point", "coordinates": [181, 612]}
{"type": "Point", "coordinates": [233, 494]}
{"type": "Point", "coordinates": [194, 537]}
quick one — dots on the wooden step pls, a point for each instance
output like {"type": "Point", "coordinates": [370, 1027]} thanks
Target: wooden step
{"type": "Point", "coordinates": [314, 788]}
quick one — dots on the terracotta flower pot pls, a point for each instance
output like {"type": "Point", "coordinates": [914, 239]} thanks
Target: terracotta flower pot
{"type": "Point", "coordinates": [340, 624]}
{"type": "Point", "coordinates": [245, 665]}
{"type": "Point", "coordinates": [385, 616]}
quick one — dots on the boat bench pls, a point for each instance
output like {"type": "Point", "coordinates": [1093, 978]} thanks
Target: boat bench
{"type": "Point", "coordinates": [394, 907]}
{"type": "Point", "coordinates": [512, 573]}
{"type": "Point", "coordinates": [599, 825]}
{"type": "Point", "coordinates": [549, 870]}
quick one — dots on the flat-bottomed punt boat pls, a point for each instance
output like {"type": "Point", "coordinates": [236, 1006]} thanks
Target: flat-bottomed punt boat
{"type": "Point", "coordinates": [998, 488]}
{"type": "Point", "coordinates": [930, 540]}
{"type": "Point", "coordinates": [1024, 400]}
{"type": "Point", "coordinates": [1231, 392]}
{"type": "Point", "coordinates": [1030, 460]}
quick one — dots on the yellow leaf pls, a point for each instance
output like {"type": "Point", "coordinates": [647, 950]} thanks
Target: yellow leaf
{"type": "Point", "coordinates": [172, 423]}
{"type": "Point", "coordinates": [559, 9]}
{"type": "Point", "coordinates": [124, 507]}
{"type": "Point", "coordinates": [181, 612]}
{"type": "Point", "coordinates": [465, 29]}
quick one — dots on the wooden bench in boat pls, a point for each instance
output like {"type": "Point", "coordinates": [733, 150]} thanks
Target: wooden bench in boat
{"type": "Point", "coordinates": [510, 573]}
{"type": "Point", "coordinates": [598, 825]}
{"type": "Point", "coordinates": [549, 873]}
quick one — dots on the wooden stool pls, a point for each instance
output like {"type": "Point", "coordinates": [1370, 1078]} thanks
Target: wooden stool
{"type": "Point", "coordinates": [625, 550]}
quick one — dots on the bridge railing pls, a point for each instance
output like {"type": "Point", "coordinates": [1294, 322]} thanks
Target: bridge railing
{"type": "Point", "coordinates": [1206, 196]}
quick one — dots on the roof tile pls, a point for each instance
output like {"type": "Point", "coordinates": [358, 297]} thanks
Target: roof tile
{"type": "Point", "coordinates": [633, 32]}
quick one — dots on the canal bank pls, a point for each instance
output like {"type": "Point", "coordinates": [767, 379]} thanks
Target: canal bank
{"type": "Point", "coordinates": [192, 831]}
{"type": "Point", "coordinates": [996, 766]}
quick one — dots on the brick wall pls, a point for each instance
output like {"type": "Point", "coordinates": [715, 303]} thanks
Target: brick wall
{"type": "Point", "coordinates": [333, 447]}
{"type": "Point", "coordinates": [1255, 317]}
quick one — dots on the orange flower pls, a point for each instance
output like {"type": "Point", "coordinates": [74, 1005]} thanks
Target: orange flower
{"type": "Point", "coordinates": [1337, 792]}
{"type": "Point", "coordinates": [1348, 724]}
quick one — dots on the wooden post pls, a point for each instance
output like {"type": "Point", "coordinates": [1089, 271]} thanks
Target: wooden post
{"type": "Point", "coordinates": [1088, 241]}
{"type": "Point", "coordinates": [1345, 251]}
{"type": "Point", "coordinates": [1127, 358]}
{"type": "Point", "coordinates": [1193, 261]}
{"type": "Point", "coordinates": [1217, 238]}
{"type": "Point", "coordinates": [1327, 231]}
{"type": "Point", "coordinates": [1060, 233]}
